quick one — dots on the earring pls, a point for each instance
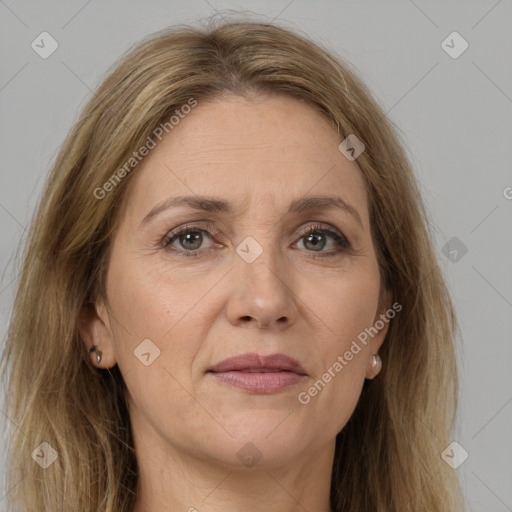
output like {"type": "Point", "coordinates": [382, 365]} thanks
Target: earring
{"type": "Point", "coordinates": [98, 353]}
{"type": "Point", "coordinates": [376, 365]}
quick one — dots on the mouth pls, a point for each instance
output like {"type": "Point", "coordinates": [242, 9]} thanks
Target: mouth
{"type": "Point", "coordinates": [259, 374]}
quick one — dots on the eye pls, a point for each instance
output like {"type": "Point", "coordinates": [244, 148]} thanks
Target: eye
{"type": "Point", "coordinates": [316, 238]}
{"type": "Point", "coordinates": [188, 239]}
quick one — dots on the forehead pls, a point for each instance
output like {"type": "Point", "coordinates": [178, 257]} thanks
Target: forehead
{"type": "Point", "coordinates": [266, 150]}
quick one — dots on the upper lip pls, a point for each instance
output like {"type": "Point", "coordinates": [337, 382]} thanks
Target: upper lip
{"type": "Point", "coordinates": [252, 361]}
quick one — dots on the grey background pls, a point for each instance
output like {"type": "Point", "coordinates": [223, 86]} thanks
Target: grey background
{"type": "Point", "coordinates": [455, 116]}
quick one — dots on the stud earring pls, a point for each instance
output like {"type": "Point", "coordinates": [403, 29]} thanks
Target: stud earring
{"type": "Point", "coordinates": [376, 365]}
{"type": "Point", "coordinates": [98, 353]}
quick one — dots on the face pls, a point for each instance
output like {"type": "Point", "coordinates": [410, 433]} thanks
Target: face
{"type": "Point", "coordinates": [249, 266]}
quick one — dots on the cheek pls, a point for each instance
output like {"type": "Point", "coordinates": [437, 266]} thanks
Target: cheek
{"type": "Point", "coordinates": [347, 306]}
{"type": "Point", "coordinates": [149, 314]}
{"type": "Point", "coordinates": [158, 313]}
{"type": "Point", "coordinates": [152, 300]}
{"type": "Point", "coordinates": [347, 310]}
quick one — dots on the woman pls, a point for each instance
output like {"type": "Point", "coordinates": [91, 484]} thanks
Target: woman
{"type": "Point", "coordinates": [229, 297]}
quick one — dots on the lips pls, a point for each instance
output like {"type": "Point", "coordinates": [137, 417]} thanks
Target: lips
{"type": "Point", "coordinates": [255, 363]}
{"type": "Point", "coordinates": [259, 374]}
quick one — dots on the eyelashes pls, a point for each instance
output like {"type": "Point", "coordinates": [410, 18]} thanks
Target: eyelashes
{"type": "Point", "coordinates": [194, 234]}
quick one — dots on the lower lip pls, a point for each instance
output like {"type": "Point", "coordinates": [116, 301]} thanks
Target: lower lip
{"type": "Point", "coordinates": [264, 382]}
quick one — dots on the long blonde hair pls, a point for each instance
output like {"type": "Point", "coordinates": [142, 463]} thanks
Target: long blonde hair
{"type": "Point", "coordinates": [388, 456]}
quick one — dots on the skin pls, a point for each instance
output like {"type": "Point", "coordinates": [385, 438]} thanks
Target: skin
{"type": "Point", "coordinates": [258, 154]}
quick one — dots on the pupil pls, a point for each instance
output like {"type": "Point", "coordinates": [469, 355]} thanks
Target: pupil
{"type": "Point", "coordinates": [191, 237]}
{"type": "Point", "coordinates": [316, 243]}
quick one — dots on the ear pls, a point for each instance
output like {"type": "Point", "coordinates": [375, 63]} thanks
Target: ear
{"type": "Point", "coordinates": [379, 328]}
{"type": "Point", "coordinates": [95, 331]}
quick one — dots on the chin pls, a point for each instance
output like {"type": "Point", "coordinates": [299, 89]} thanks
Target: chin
{"type": "Point", "coordinates": [259, 438]}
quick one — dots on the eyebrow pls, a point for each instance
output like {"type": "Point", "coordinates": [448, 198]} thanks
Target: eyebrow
{"type": "Point", "coordinates": [217, 205]}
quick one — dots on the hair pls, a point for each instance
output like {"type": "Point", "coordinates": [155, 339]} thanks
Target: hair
{"type": "Point", "coordinates": [388, 455]}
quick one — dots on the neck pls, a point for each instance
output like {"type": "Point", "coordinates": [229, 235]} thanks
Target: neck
{"type": "Point", "coordinates": [191, 484]}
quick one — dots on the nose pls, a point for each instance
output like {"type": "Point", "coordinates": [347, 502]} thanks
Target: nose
{"type": "Point", "coordinates": [263, 294]}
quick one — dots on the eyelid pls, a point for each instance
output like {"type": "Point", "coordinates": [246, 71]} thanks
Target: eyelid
{"type": "Point", "coordinates": [321, 226]}
{"type": "Point", "coordinates": [208, 227]}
